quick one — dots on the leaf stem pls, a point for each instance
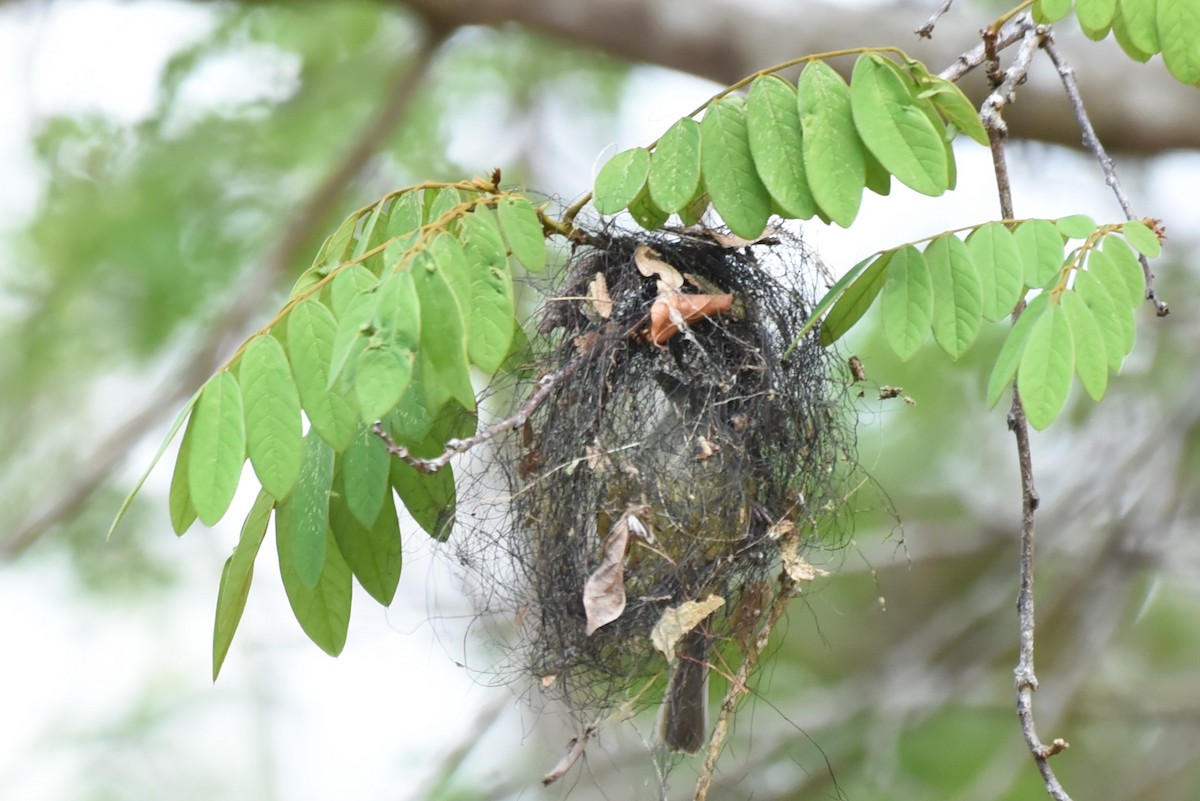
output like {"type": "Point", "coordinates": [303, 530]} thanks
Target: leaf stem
{"type": "Point", "coordinates": [1026, 679]}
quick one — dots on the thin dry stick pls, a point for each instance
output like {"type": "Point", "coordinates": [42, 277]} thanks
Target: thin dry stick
{"type": "Point", "coordinates": [1009, 35]}
{"type": "Point", "coordinates": [99, 467]}
{"type": "Point", "coordinates": [1092, 142]}
{"type": "Point", "coordinates": [1026, 680]}
{"type": "Point", "coordinates": [738, 686]}
{"type": "Point", "coordinates": [926, 30]}
{"type": "Point", "coordinates": [456, 446]}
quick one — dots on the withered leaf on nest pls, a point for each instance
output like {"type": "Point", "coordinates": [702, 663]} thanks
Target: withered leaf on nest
{"type": "Point", "coordinates": [672, 310]}
{"type": "Point", "coordinates": [604, 590]}
{"type": "Point", "coordinates": [794, 564]}
{"type": "Point", "coordinates": [677, 621]}
{"type": "Point", "coordinates": [599, 301]}
{"type": "Point", "coordinates": [651, 265]}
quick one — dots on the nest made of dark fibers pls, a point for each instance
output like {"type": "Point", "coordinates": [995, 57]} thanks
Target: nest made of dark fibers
{"type": "Point", "coordinates": [723, 436]}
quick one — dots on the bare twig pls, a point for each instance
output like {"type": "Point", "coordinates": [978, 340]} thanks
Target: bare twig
{"type": "Point", "coordinates": [456, 446]}
{"type": "Point", "coordinates": [1092, 142]}
{"type": "Point", "coordinates": [926, 30]}
{"type": "Point", "coordinates": [1026, 680]}
{"type": "Point", "coordinates": [1002, 95]}
{"type": "Point", "coordinates": [1009, 35]}
{"type": "Point", "coordinates": [233, 323]}
{"type": "Point", "coordinates": [738, 686]}
{"type": "Point", "coordinates": [573, 755]}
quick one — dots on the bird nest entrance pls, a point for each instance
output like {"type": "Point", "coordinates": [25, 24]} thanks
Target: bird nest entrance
{"type": "Point", "coordinates": [689, 448]}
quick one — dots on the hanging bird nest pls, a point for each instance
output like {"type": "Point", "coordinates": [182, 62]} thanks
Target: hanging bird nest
{"type": "Point", "coordinates": [689, 448]}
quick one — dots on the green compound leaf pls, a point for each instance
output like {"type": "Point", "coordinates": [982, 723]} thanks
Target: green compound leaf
{"type": "Point", "coordinates": [877, 178]}
{"type": "Point", "coordinates": [621, 180]}
{"type": "Point", "coordinates": [440, 203]}
{"type": "Point", "coordinates": [1001, 273]}
{"type": "Point", "coordinates": [675, 166]}
{"type": "Point", "coordinates": [523, 231]}
{"type": "Point", "coordinates": [371, 551]}
{"type": "Point", "coordinates": [907, 302]}
{"type": "Point", "coordinates": [1091, 359]}
{"type": "Point", "coordinates": [957, 294]}
{"type": "Point", "coordinates": [490, 299]}
{"type": "Point", "coordinates": [776, 137]}
{"type": "Point", "coordinates": [349, 283]}
{"type": "Point", "coordinates": [1051, 10]}
{"type": "Point", "coordinates": [949, 100]}
{"type": "Point", "coordinates": [1121, 32]}
{"type": "Point", "coordinates": [1129, 268]}
{"type": "Point", "coordinates": [1114, 319]}
{"type": "Point", "coordinates": [1095, 17]}
{"type": "Point", "coordinates": [236, 578]}
{"type": "Point", "coordinates": [429, 497]}
{"type": "Point", "coordinates": [162, 448]}
{"type": "Point", "coordinates": [372, 232]}
{"type": "Point", "coordinates": [1105, 269]}
{"type": "Point", "coordinates": [405, 215]}
{"type": "Point", "coordinates": [1047, 365]}
{"type": "Point", "coordinates": [354, 327]}
{"type": "Point", "coordinates": [645, 213]}
{"type": "Point", "coordinates": [1178, 23]}
{"type": "Point", "coordinates": [274, 439]}
{"type": "Point", "coordinates": [442, 355]}
{"type": "Point", "coordinates": [1041, 248]}
{"type": "Point", "coordinates": [217, 449]}
{"type": "Point", "coordinates": [833, 153]}
{"type": "Point", "coordinates": [382, 374]}
{"type": "Point", "coordinates": [733, 185]}
{"type": "Point", "coordinates": [1009, 359]}
{"type": "Point", "coordinates": [364, 476]}
{"type": "Point", "coordinates": [1139, 18]}
{"type": "Point", "coordinates": [336, 247]}
{"type": "Point", "coordinates": [852, 296]}
{"type": "Point", "coordinates": [1077, 226]}
{"type": "Point", "coordinates": [894, 129]}
{"type": "Point", "coordinates": [303, 518]}
{"type": "Point", "coordinates": [1144, 241]}
{"type": "Point", "coordinates": [179, 501]}
{"type": "Point", "coordinates": [311, 329]}
{"type": "Point", "coordinates": [323, 610]}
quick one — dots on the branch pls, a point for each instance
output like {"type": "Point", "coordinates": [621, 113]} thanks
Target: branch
{"type": "Point", "coordinates": [456, 446]}
{"type": "Point", "coordinates": [1026, 679]}
{"type": "Point", "coordinates": [738, 686]}
{"type": "Point", "coordinates": [926, 30]}
{"type": "Point", "coordinates": [1092, 143]}
{"type": "Point", "coordinates": [100, 465]}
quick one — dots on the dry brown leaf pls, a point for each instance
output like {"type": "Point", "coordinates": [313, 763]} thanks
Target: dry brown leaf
{"type": "Point", "coordinates": [730, 241]}
{"type": "Point", "coordinates": [604, 590]}
{"type": "Point", "coordinates": [677, 621]}
{"type": "Point", "coordinates": [650, 264]}
{"type": "Point", "coordinates": [585, 342]}
{"type": "Point", "coordinates": [797, 567]}
{"type": "Point", "coordinates": [781, 529]}
{"type": "Point", "coordinates": [857, 370]}
{"type": "Point", "coordinates": [669, 312]}
{"type": "Point", "coordinates": [597, 460]}
{"type": "Point", "coordinates": [598, 296]}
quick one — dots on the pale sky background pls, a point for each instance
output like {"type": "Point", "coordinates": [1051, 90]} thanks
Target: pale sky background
{"type": "Point", "coordinates": [370, 723]}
